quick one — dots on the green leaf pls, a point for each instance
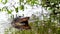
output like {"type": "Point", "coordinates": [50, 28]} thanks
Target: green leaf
{"type": "Point", "coordinates": [9, 12]}
{"type": "Point", "coordinates": [4, 8]}
{"type": "Point", "coordinates": [50, 8]}
{"type": "Point", "coordinates": [28, 0]}
{"type": "Point", "coordinates": [4, 1]}
{"type": "Point", "coordinates": [16, 9]}
{"type": "Point", "coordinates": [22, 7]}
{"type": "Point", "coordinates": [21, 0]}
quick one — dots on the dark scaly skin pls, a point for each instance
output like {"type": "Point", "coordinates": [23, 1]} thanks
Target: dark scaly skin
{"type": "Point", "coordinates": [21, 23]}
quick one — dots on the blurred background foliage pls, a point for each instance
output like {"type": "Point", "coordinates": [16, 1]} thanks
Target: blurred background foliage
{"type": "Point", "coordinates": [49, 25]}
